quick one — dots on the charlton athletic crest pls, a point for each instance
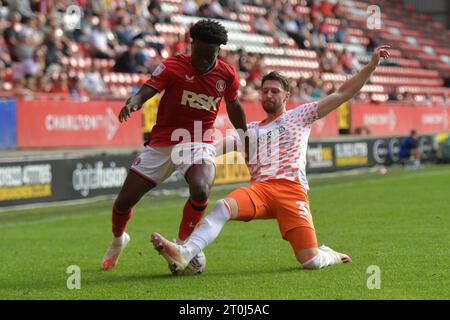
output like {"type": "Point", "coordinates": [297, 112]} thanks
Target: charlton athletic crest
{"type": "Point", "coordinates": [221, 85]}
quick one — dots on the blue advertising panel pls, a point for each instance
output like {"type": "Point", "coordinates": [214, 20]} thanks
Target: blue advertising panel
{"type": "Point", "coordinates": [7, 124]}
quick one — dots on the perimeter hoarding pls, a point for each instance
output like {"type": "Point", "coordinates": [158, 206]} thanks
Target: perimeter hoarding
{"type": "Point", "coordinates": [64, 124]}
{"type": "Point", "coordinates": [7, 124]}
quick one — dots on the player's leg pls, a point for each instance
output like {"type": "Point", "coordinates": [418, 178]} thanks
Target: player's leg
{"type": "Point", "coordinates": [296, 226]}
{"type": "Point", "coordinates": [242, 204]}
{"type": "Point", "coordinates": [134, 187]}
{"type": "Point", "coordinates": [132, 191]}
{"type": "Point", "coordinates": [149, 169]}
{"type": "Point", "coordinates": [416, 154]}
{"type": "Point", "coordinates": [304, 243]}
{"type": "Point", "coordinates": [199, 175]}
{"type": "Point", "coordinates": [207, 230]}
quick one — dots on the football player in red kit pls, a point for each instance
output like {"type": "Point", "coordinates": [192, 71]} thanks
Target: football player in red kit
{"type": "Point", "coordinates": [192, 89]}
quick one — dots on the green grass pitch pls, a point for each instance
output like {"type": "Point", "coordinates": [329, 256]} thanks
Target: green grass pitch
{"type": "Point", "coordinates": [399, 222]}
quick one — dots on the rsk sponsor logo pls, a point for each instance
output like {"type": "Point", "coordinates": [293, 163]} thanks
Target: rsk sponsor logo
{"type": "Point", "coordinates": [199, 101]}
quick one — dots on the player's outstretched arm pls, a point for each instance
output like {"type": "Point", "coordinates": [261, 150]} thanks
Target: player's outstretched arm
{"type": "Point", "coordinates": [135, 102]}
{"type": "Point", "coordinates": [351, 87]}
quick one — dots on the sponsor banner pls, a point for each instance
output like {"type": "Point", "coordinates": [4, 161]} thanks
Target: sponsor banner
{"type": "Point", "coordinates": [385, 151]}
{"type": "Point", "coordinates": [42, 124]}
{"type": "Point", "coordinates": [399, 119]}
{"type": "Point", "coordinates": [231, 168]}
{"type": "Point", "coordinates": [432, 119]}
{"type": "Point", "coordinates": [22, 182]}
{"type": "Point", "coordinates": [7, 124]}
{"type": "Point", "coordinates": [320, 156]}
{"type": "Point", "coordinates": [62, 179]}
{"type": "Point", "coordinates": [351, 154]}
{"type": "Point", "coordinates": [34, 181]}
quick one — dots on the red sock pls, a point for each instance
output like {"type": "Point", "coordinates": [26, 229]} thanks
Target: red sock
{"type": "Point", "coordinates": [120, 220]}
{"type": "Point", "coordinates": [192, 213]}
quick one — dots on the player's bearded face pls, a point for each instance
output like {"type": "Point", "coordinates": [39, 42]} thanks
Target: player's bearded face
{"type": "Point", "coordinates": [273, 96]}
{"type": "Point", "coordinates": [204, 55]}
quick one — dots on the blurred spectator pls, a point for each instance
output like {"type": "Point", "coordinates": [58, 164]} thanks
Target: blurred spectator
{"type": "Point", "coordinates": [156, 13]}
{"type": "Point", "coordinates": [132, 60]}
{"type": "Point", "coordinates": [445, 102]}
{"type": "Point", "coordinates": [232, 5]}
{"type": "Point", "coordinates": [326, 8]}
{"type": "Point", "coordinates": [98, 40]}
{"type": "Point", "coordinates": [204, 10]}
{"type": "Point", "coordinates": [427, 102]}
{"type": "Point", "coordinates": [356, 66]}
{"type": "Point", "coordinates": [256, 73]}
{"type": "Point", "coordinates": [328, 61]}
{"type": "Point", "coordinates": [31, 67]}
{"type": "Point", "coordinates": [216, 10]}
{"type": "Point", "coordinates": [23, 49]}
{"type": "Point", "coordinates": [244, 61]}
{"type": "Point", "coordinates": [12, 31]}
{"type": "Point", "coordinates": [125, 30]}
{"type": "Point", "coordinates": [59, 84]}
{"type": "Point", "coordinates": [263, 24]}
{"type": "Point", "coordinates": [76, 89]}
{"type": "Point", "coordinates": [250, 93]}
{"type": "Point", "coordinates": [317, 86]}
{"type": "Point", "coordinates": [93, 81]}
{"type": "Point", "coordinates": [21, 6]}
{"type": "Point", "coordinates": [362, 131]}
{"type": "Point", "coordinates": [338, 10]}
{"type": "Point", "coordinates": [407, 98]}
{"type": "Point", "coordinates": [410, 153]}
{"type": "Point", "coordinates": [318, 40]}
{"type": "Point", "coordinates": [179, 46]}
{"type": "Point", "coordinates": [54, 50]}
{"type": "Point", "coordinates": [301, 91]}
{"type": "Point", "coordinates": [292, 29]}
{"type": "Point", "coordinates": [189, 8]}
{"type": "Point", "coordinates": [372, 45]}
{"type": "Point", "coordinates": [341, 34]}
{"type": "Point", "coordinates": [345, 60]}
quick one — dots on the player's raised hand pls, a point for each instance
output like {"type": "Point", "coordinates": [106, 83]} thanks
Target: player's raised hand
{"type": "Point", "coordinates": [131, 105]}
{"type": "Point", "coordinates": [380, 52]}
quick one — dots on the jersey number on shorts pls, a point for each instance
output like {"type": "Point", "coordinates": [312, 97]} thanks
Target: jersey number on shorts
{"type": "Point", "coordinates": [303, 210]}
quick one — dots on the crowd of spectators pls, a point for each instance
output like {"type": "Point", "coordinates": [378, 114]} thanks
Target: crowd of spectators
{"type": "Point", "coordinates": [37, 40]}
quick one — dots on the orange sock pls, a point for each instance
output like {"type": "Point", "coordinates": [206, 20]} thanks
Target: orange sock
{"type": "Point", "coordinates": [193, 212]}
{"type": "Point", "coordinates": [120, 221]}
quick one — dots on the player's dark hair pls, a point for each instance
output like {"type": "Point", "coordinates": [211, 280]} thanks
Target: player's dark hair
{"type": "Point", "coordinates": [275, 75]}
{"type": "Point", "coordinates": [209, 31]}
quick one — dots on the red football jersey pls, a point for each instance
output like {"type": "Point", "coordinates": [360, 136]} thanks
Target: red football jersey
{"type": "Point", "coordinates": [189, 96]}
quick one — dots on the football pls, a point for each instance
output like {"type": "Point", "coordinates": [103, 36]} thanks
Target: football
{"type": "Point", "coordinates": [196, 266]}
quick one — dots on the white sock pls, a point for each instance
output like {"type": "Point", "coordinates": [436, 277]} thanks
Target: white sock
{"type": "Point", "coordinates": [324, 258]}
{"type": "Point", "coordinates": [207, 229]}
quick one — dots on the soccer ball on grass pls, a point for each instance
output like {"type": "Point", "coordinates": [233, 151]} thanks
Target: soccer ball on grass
{"type": "Point", "coordinates": [195, 266]}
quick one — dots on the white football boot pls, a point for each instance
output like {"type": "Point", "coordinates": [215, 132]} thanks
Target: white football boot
{"type": "Point", "coordinates": [339, 257]}
{"type": "Point", "coordinates": [114, 251]}
{"type": "Point", "coordinates": [172, 252]}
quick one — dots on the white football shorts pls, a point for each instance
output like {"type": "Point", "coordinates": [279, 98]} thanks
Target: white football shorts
{"type": "Point", "coordinates": [158, 163]}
